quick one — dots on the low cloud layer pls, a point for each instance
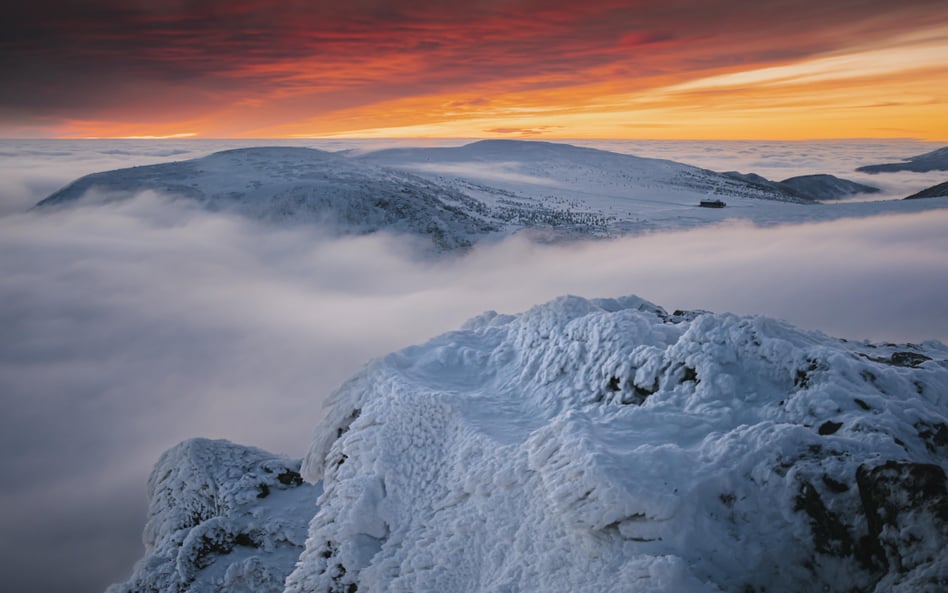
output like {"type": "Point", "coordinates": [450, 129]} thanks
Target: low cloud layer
{"type": "Point", "coordinates": [128, 327]}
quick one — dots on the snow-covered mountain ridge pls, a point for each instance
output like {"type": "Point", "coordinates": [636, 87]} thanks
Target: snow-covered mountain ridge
{"type": "Point", "coordinates": [303, 185]}
{"type": "Point", "coordinates": [455, 197]}
{"type": "Point", "coordinates": [577, 167]}
{"type": "Point", "coordinates": [609, 445]}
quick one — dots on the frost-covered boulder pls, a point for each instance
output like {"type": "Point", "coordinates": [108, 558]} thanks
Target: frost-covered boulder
{"type": "Point", "coordinates": [222, 518]}
{"type": "Point", "coordinates": [611, 446]}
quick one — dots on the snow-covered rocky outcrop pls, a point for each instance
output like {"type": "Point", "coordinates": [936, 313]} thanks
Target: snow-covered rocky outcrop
{"type": "Point", "coordinates": [222, 518]}
{"type": "Point", "coordinates": [936, 160]}
{"type": "Point", "coordinates": [611, 446]}
{"type": "Point", "coordinates": [285, 184]}
{"type": "Point", "coordinates": [595, 446]}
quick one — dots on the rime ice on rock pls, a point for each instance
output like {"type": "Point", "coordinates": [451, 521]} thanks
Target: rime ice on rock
{"type": "Point", "coordinates": [611, 446]}
{"type": "Point", "coordinates": [585, 446]}
{"type": "Point", "coordinates": [222, 518]}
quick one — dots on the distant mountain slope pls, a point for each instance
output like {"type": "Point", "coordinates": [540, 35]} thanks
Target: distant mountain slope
{"type": "Point", "coordinates": [936, 160]}
{"type": "Point", "coordinates": [302, 185]}
{"type": "Point", "coordinates": [811, 188]}
{"type": "Point", "coordinates": [935, 191]}
{"type": "Point", "coordinates": [826, 187]}
{"type": "Point", "coordinates": [451, 196]}
{"type": "Point", "coordinates": [567, 166]}
{"type": "Point", "coordinates": [456, 197]}
{"type": "Point", "coordinates": [222, 518]}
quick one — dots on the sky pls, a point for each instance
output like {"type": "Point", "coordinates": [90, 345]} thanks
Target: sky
{"type": "Point", "coordinates": [714, 69]}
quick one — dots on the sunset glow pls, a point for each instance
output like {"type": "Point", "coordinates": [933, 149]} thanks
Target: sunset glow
{"type": "Point", "coordinates": [407, 68]}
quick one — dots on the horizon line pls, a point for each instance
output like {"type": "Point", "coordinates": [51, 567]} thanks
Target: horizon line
{"type": "Point", "coordinates": [194, 137]}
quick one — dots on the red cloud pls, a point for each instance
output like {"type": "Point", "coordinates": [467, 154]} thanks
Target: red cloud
{"type": "Point", "coordinates": [207, 58]}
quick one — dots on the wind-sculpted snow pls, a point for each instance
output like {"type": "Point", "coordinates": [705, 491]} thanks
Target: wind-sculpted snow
{"type": "Point", "coordinates": [284, 184]}
{"type": "Point", "coordinates": [222, 518]}
{"type": "Point", "coordinates": [611, 446]}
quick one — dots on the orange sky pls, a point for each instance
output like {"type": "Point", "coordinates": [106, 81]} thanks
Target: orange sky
{"type": "Point", "coordinates": [714, 69]}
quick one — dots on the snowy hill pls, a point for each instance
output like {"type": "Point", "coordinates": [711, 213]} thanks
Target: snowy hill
{"type": "Point", "coordinates": [455, 197]}
{"type": "Point", "coordinates": [608, 445]}
{"type": "Point", "coordinates": [936, 160]}
{"type": "Point", "coordinates": [826, 187]}
{"type": "Point", "coordinates": [222, 518]}
{"type": "Point", "coordinates": [586, 170]}
{"type": "Point", "coordinates": [935, 191]}
{"type": "Point", "coordinates": [591, 192]}
{"type": "Point", "coordinates": [810, 188]}
{"type": "Point", "coordinates": [283, 184]}
{"type": "Point", "coordinates": [567, 164]}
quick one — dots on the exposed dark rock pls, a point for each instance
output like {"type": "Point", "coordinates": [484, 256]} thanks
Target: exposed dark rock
{"type": "Point", "coordinates": [290, 478]}
{"type": "Point", "coordinates": [899, 359]}
{"type": "Point", "coordinates": [908, 359]}
{"type": "Point", "coordinates": [830, 534]}
{"type": "Point", "coordinates": [829, 427]}
{"type": "Point", "coordinates": [835, 485]}
{"type": "Point", "coordinates": [895, 496]}
{"type": "Point", "coordinates": [934, 435]}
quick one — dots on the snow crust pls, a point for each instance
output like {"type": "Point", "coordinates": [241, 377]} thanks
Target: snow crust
{"type": "Point", "coordinates": [608, 445]}
{"type": "Point", "coordinates": [222, 518]}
